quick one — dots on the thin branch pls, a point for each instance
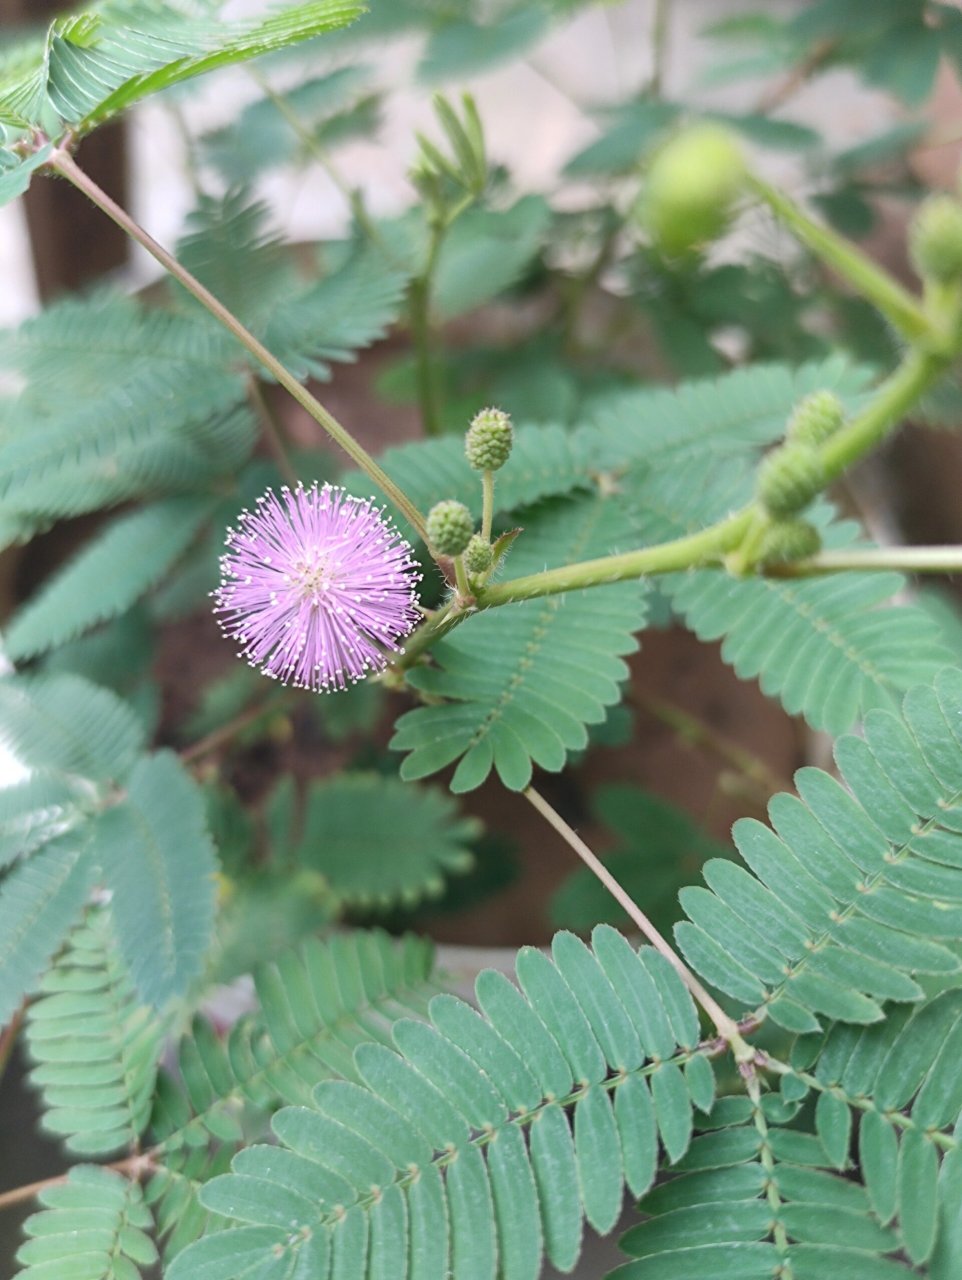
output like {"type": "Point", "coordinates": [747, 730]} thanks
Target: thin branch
{"type": "Point", "coordinates": [726, 1027]}
{"type": "Point", "coordinates": [272, 429]}
{"type": "Point", "coordinates": [8, 1037]}
{"type": "Point", "coordinates": [697, 733]}
{"type": "Point", "coordinates": [134, 1167]}
{"type": "Point", "coordinates": [62, 162]}
{"type": "Point", "coordinates": [219, 737]}
{"type": "Point", "coordinates": [778, 94]}
{"type": "Point", "coordinates": [659, 47]}
{"type": "Point", "coordinates": [907, 559]}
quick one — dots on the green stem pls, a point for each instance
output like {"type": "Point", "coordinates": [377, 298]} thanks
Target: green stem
{"type": "Point", "coordinates": [427, 371]}
{"type": "Point", "coordinates": [894, 398]}
{"type": "Point", "coordinates": [695, 550]}
{"type": "Point", "coordinates": [896, 304]}
{"type": "Point", "coordinates": [767, 1160]}
{"type": "Point", "coordinates": [461, 578]}
{"type": "Point", "coordinates": [906, 559]}
{"type": "Point", "coordinates": [487, 508]}
{"type": "Point", "coordinates": [61, 162]}
{"type": "Point", "coordinates": [659, 47]}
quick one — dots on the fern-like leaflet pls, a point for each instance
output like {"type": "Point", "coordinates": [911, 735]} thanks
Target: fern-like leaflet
{"type": "Point", "coordinates": [478, 1140]}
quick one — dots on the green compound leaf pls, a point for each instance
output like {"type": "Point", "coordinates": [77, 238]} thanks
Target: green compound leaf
{"type": "Point", "coordinates": [907, 1065]}
{"type": "Point", "coordinates": [159, 863]}
{"type": "Point", "coordinates": [39, 901]}
{"type": "Point", "coordinates": [715, 1215]}
{"type": "Point", "coordinates": [36, 810]}
{"type": "Point", "coordinates": [485, 252]}
{"type": "Point", "coordinates": [344, 312]}
{"type": "Point", "coordinates": [96, 1048]}
{"type": "Point", "coordinates": [63, 724]}
{"type": "Point", "coordinates": [95, 65]}
{"type": "Point", "coordinates": [824, 646]}
{"type": "Point", "coordinates": [852, 894]}
{"type": "Point", "coordinates": [523, 681]}
{"type": "Point", "coordinates": [271, 131]}
{"type": "Point", "coordinates": [315, 1006]}
{"type": "Point", "coordinates": [376, 841]}
{"type": "Point", "coordinates": [94, 1227]}
{"type": "Point", "coordinates": [465, 1181]}
{"type": "Point", "coordinates": [107, 576]}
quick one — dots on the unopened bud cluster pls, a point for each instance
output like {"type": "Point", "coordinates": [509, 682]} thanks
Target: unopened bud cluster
{"type": "Point", "coordinates": [692, 185]}
{"type": "Point", "coordinates": [789, 540]}
{"type": "Point", "coordinates": [935, 239]}
{"type": "Point", "coordinates": [816, 419]}
{"type": "Point", "coordinates": [449, 527]}
{"type": "Point", "coordinates": [478, 555]}
{"type": "Point", "coordinates": [487, 444]}
{"type": "Point", "coordinates": [789, 478]}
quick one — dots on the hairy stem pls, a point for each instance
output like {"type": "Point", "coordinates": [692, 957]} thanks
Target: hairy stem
{"type": "Point", "coordinates": [61, 162]}
{"type": "Point", "coordinates": [696, 550]}
{"type": "Point", "coordinates": [896, 304]}
{"type": "Point", "coordinates": [487, 511]}
{"type": "Point", "coordinates": [726, 1027]}
{"type": "Point", "coordinates": [226, 732]}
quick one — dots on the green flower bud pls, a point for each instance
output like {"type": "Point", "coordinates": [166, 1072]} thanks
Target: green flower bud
{"type": "Point", "coordinates": [692, 185]}
{"type": "Point", "coordinates": [789, 540]}
{"type": "Point", "coordinates": [478, 555]}
{"type": "Point", "coordinates": [816, 418]}
{"type": "Point", "coordinates": [488, 441]}
{"type": "Point", "coordinates": [788, 479]}
{"type": "Point", "coordinates": [449, 526]}
{"type": "Point", "coordinates": [935, 239]}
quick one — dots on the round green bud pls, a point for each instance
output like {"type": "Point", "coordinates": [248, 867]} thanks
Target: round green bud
{"type": "Point", "coordinates": [789, 540]}
{"type": "Point", "coordinates": [449, 526]}
{"type": "Point", "coordinates": [789, 478]}
{"type": "Point", "coordinates": [692, 184]}
{"type": "Point", "coordinates": [935, 239]}
{"type": "Point", "coordinates": [478, 555]}
{"type": "Point", "coordinates": [816, 418]}
{"type": "Point", "coordinates": [489, 439]}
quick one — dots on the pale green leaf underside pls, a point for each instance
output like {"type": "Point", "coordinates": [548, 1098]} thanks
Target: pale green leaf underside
{"type": "Point", "coordinates": [376, 841]}
{"type": "Point", "coordinates": [855, 892]}
{"type": "Point", "coordinates": [93, 1226]}
{"type": "Point", "coordinates": [107, 576]}
{"type": "Point", "coordinates": [95, 1047]}
{"type": "Point", "coordinates": [523, 681]}
{"type": "Point", "coordinates": [478, 1107]}
{"type": "Point", "coordinates": [159, 862]}
{"type": "Point", "coordinates": [94, 67]}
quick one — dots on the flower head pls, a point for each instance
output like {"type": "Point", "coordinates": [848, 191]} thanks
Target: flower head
{"type": "Point", "coordinates": [315, 585]}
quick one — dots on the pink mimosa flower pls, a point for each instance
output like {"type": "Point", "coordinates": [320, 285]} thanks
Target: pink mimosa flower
{"type": "Point", "coordinates": [316, 585]}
